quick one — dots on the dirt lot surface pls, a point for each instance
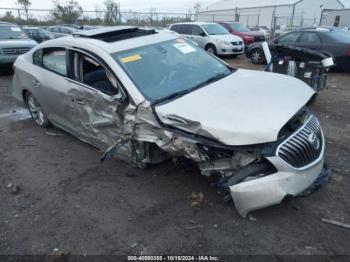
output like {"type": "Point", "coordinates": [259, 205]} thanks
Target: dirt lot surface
{"type": "Point", "coordinates": [57, 197]}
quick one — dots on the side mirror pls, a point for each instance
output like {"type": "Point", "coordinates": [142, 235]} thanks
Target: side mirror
{"type": "Point", "coordinates": [202, 34]}
{"type": "Point", "coordinates": [275, 41]}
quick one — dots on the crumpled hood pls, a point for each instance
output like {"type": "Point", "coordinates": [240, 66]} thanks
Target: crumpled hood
{"type": "Point", "coordinates": [248, 107]}
{"type": "Point", "coordinates": [229, 38]}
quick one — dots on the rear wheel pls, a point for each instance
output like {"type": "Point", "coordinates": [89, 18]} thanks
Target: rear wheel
{"type": "Point", "coordinates": [36, 110]}
{"type": "Point", "coordinates": [211, 49]}
{"type": "Point", "coordinates": [257, 56]}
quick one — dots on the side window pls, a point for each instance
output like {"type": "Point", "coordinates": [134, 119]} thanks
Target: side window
{"type": "Point", "coordinates": [309, 38]}
{"type": "Point", "coordinates": [196, 30]}
{"type": "Point", "coordinates": [175, 28]}
{"type": "Point", "coordinates": [289, 38]}
{"type": "Point", "coordinates": [64, 31]}
{"type": "Point", "coordinates": [54, 59]}
{"type": "Point", "coordinates": [336, 21]}
{"type": "Point", "coordinates": [90, 72]}
{"type": "Point", "coordinates": [186, 29]}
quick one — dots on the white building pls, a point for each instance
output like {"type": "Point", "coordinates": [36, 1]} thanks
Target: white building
{"type": "Point", "coordinates": [337, 18]}
{"type": "Point", "coordinates": [269, 12]}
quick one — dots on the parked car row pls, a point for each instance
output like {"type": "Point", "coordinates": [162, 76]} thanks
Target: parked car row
{"type": "Point", "coordinates": [16, 40]}
{"type": "Point", "coordinates": [224, 38]}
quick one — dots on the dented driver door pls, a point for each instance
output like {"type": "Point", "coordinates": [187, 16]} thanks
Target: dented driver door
{"type": "Point", "coordinates": [95, 115]}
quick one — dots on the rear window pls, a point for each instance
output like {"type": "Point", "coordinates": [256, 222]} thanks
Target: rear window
{"type": "Point", "coordinates": [11, 32]}
{"type": "Point", "coordinates": [239, 27]}
{"type": "Point", "coordinates": [340, 36]}
{"type": "Point", "coordinates": [182, 29]}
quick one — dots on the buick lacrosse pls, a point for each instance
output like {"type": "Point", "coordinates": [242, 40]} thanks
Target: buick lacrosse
{"type": "Point", "coordinates": [146, 96]}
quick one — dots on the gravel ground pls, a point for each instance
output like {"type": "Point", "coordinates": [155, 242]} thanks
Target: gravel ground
{"type": "Point", "coordinates": [56, 197]}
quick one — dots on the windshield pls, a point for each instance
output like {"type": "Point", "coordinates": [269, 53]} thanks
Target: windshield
{"type": "Point", "coordinates": [238, 27]}
{"type": "Point", "coordinates": [168, 68]}
{"type": "Point", "coordinates": [215, 29]}
{"type": "Point", "coordinates": [12, 32]}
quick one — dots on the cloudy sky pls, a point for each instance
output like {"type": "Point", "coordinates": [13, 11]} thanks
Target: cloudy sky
{"type": "Point", "coordinates": [135, 5]}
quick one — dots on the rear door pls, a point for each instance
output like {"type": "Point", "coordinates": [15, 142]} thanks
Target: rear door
{"type": "Point", "coordinates": [98, 100]}
{"type": "Point", "coordinates": [50, 86]}
{"type": "Point", "coordinates": [310, 40]}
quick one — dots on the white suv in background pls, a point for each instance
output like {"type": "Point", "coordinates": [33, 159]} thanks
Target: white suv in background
{"type": "Point", "coordinates": [213, 37]}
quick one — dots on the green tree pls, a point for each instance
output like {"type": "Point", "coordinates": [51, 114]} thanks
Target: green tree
{"type": "Point", "coordinates": [25, 5]}
{"type": "Point", "coordinates": [68, 13]}
{"type": "Point", "coordinates": [112, 12]}
{"type": "Point", "coordinates": [8, 17]}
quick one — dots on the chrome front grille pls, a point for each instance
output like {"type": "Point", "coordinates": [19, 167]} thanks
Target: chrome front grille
{"type": "Point", "coordinates": [304, 147]}
{"type": "Point", "coordinates": [15, 50]}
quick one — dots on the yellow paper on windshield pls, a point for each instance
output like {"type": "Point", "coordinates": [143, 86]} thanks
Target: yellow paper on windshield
{"type": "Point", "coordinates": [131, 58]}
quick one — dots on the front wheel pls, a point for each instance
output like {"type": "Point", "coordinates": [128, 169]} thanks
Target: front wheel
{"type": "Point", "coordinates": [257, 56]}
{"type": "Point", "coordinates": [211, 49]}
{"type": "Point", "coordinates": [36, 110]}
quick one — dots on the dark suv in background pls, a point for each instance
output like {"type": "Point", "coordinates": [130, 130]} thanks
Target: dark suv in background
{"type": "Point", "coordinates": [239, 29]}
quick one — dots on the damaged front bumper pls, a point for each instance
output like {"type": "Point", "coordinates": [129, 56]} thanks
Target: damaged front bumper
{"type": "Point", "coordinates": [272, 189]}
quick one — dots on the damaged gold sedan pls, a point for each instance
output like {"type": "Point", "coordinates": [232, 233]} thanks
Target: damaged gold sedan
{"type": "Point", "coordinates": [146, 96]}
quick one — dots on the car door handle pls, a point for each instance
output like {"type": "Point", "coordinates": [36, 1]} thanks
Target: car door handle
{"type": "Point", "coordinates": [78, 101]}
{"type": "Point", "coordinates": [36, 83]}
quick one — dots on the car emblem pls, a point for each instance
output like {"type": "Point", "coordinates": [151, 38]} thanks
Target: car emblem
{"type": "Point", "coordinates": [314, 141]}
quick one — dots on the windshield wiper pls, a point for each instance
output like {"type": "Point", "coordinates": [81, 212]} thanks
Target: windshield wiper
{"type": "Point", "coordinates": [186, 91]}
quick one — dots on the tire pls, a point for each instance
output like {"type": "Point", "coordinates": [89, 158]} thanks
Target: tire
{"type": "Point", "coordinates": [211, 49]}
{"type": "Point", "coordinates": [36, 111]}
{"type": "Point", "coordinates": [257, 56]}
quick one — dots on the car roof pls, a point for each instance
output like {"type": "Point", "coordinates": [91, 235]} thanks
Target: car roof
{"type": "Point", "coordinates": [31, 27]}
{"type": "Point", "coordinates": [195, 23]}
{"type": "Point", "coordinates": [320, 29]}
{"type": "Point", "coordinates": [6, 23]}
{"type": "Point", "coordinates": [95, 38]}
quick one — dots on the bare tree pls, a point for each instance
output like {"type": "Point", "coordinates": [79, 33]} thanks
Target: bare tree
{"type": "Point", "coordinates": [98, 12]}
{"type": "Point", "coordinates": [112, 12]}
{"type": "Point", "coordinates": [68, 13]}
{"type": "Point", "coordinates": [196, 7]}
{"type": "Point", "coordinates": [25, 5]}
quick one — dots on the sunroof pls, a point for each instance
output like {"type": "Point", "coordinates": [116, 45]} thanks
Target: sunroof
{"type": "Point", "coordinates": [114, 34]}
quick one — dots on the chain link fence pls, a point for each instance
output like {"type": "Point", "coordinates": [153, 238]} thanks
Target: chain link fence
{"type": "Point", "coordinates": [47, 17]}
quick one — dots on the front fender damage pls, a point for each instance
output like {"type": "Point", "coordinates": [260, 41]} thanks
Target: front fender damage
{"type": "Point", "coordinates": [249, 177]}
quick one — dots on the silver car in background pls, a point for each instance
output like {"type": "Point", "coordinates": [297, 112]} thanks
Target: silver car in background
{"type": "Point", "coordinates": [146, 96]}
{"type": "Point", "coordinates": [212, 37]}
{"type": "Point", "coordinates": [60, 31]}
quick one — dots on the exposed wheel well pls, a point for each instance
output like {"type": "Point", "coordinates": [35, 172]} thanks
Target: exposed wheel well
{"type": "Point", "coordinates": [210, 44]}
{"type": "Point", "coordinates": [24, 93]}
